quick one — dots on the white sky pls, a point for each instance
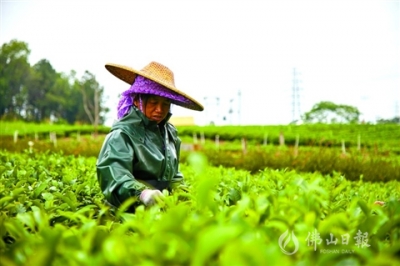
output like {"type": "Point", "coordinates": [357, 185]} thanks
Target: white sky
{"type": "Point", "coordinates": [346, 51]}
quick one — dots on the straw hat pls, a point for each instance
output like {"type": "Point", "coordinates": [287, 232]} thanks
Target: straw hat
{"type": "Point", "coordinates": [160, 74]}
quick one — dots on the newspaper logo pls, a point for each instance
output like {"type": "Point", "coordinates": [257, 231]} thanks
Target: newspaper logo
{"type": "Point", "coordinates": [285, 239]}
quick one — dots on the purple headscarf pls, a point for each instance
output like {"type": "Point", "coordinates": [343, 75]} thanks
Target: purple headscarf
{"type": "Point", "coordinates": [140, 85]}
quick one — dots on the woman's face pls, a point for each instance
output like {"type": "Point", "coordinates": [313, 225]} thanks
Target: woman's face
{"type": "Point", "coordinates": [156, 108]}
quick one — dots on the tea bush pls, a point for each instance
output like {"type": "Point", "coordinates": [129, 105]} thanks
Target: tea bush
{"type": "Point", "coordinates": [323, 160]}
{"type": "Point", "coordinates": [52, 213]}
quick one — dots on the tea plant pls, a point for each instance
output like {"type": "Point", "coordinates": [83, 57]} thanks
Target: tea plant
{"type": "Point", "coordinates": [52, 213]}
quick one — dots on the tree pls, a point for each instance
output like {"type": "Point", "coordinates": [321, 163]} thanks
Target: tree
{"type": "Point", "coordinates": [14, 72]}
{"type": "Point", "coordinates": [64, 99]}
{"type": "Point", "coordinates": [73, 105]}
{"type": "Point", "coordinates": [43, 96]}
{"type": "Point", "coordinates": [40, 93]}
{"type": "Point", "coordinates": [394, 120]}
{"type": "Point", "coordinates": [325, 112]}
{"type": "Point", "coordinates": [92, 94]}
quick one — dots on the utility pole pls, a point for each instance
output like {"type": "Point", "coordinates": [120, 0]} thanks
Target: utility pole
{"type": "Point", "coordinates": [212, 107]}
{"type": "Point", "coordinates": [230, 111]}
{"type": "Point", "coordinates": [295, 96]}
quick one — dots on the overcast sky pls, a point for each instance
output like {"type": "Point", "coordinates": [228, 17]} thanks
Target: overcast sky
{"type": "Point", "coordinates": [347, 52]}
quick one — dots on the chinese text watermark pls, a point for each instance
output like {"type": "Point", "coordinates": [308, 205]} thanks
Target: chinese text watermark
{"type": "Point", "coordinates": [314, 240]}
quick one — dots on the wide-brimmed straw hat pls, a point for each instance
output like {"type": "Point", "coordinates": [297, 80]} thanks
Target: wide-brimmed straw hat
{"type": "Point", "coordinates": [160, 74]}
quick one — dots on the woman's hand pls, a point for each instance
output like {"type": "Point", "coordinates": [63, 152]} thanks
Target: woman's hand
{"type": "Point", "coordinates": [150, 196]}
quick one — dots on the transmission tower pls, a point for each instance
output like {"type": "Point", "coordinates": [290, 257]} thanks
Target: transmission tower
{"type": "Point", "coordinates": [295, 96]}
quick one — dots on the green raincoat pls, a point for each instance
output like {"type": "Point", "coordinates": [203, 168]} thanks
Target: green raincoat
{"type": "Point", "coordinates": [138, 154]}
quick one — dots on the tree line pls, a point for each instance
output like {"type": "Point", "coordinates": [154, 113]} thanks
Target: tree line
{"type": "Point", "coordinates": [38, 93]}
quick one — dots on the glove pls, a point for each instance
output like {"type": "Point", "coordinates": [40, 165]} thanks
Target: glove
{"type": "Point", "coordinates": [150, 196]}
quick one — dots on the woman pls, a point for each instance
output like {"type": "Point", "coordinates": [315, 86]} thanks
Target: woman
{"type": "Point", "coordinates": [140, 156]}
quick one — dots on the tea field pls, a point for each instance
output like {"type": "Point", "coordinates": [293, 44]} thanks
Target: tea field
{"type": "Point", "coordinates": [52, 213]}
{"type": "Point", "coordinates": [250, 199]}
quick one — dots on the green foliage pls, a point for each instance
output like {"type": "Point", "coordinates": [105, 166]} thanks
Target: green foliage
{"type": "Point", "coordinates": [39, 93]}
{"type": "Point", "coordinates": [323, 111]}
{"type": "Point", "coordinates": [326, 161]}
{"type": "Point", "coordinates": [52, 213]}
{"type": "Point", "coordinates": [394, 120]}
{"type": "Point", "coordinates": [382, 136]}
{"type": "Point", "coordinates": [14, 71]}
{"type": "Point", "coordinates": [32, 131]}
{"type": "Point", "coordinates": [372, 164]}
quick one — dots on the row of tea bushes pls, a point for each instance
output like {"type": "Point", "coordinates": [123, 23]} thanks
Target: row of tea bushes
{"type": "Point", "coordinates": [52, 213]}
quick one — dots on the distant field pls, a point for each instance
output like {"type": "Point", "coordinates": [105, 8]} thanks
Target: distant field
{"type": "Point", "coordinates": [377, 137]}
{"type": "Point", "coordinates": [386, 137]}
{"type": "Point", "coordinates": [317, 132]}
{"type": "Point", "coordinates": [9, 128]}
